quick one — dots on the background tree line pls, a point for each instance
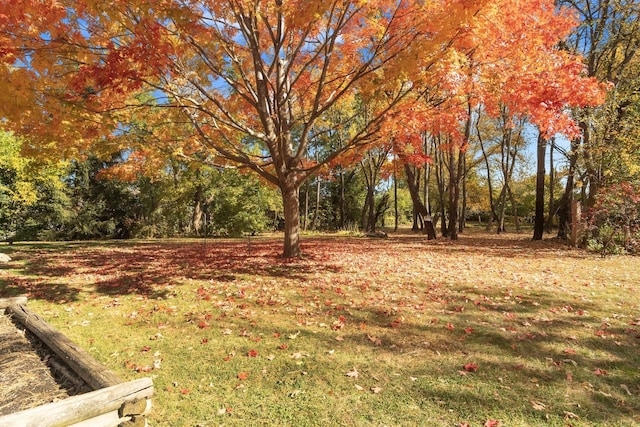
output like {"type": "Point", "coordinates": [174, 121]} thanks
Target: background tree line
{"type": "Point", "coordinates": [434, 181]}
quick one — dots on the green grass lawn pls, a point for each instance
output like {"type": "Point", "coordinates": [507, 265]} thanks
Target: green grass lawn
{"type": "Point", "coordinates": [400, 331]}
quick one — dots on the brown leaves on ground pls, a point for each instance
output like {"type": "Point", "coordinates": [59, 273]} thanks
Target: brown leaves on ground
{"type": "Point", "coordinates": [480, 306]}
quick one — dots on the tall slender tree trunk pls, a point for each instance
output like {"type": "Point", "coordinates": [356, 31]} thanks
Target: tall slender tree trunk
{"type": "Point", "coordinates": [341, 208]}
{"type": "Point", "coordinates": [564, 206]}
{"type": "Point", "coordinates": [454, 195]}
{"type": "Point", "coordinates": [549, 224]}
{"type": "Point", "coordinates": [197, 210]}
{"type": "Point", "coordinates": [538, 226]}
{"type": "Point", "coordinates": [291, 203]}
{"type": "Point", "coordinates": [420, 210]}
{"type": "Point", "coordinates": [305, 219]}
{"type": "Point", "coordinates": [514, 209]}
{"type": "Point", "coordinates": [316, 213]}
{"type": "Point", "coordinates": [463, 208]}
{"type": "Point", "coordinates": [395, 196]}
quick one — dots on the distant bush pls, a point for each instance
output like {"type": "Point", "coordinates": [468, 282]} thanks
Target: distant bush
{"type": "Point", "coordinates": [613, 223]}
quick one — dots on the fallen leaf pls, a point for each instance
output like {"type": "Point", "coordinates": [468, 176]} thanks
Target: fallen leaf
{"type": "Point", "coordinates": [359, 387]}
{"type": "Point", "coordinates": [471, 367]}
{"type": "Point", "coordinates": [252, 353]}
{"type": "Point", "coordinates": [570, 415]}
{"type": "Point", "coordinates": [538, 406]}
{"type": "Point", "coordinates": [491, 423]}
{"type": "Point", "coordinates": [293, 336]}
{"type": "Point", "coordinates": [353, 373]}
{"type": "Point", "coordinates": [376, 389]}
{"type": "Point", "coordinates": [374, 340]}
{"type": "Point", "coordinates": [243, 375]}
{"type": "Point", "coordinates": [599, 371]}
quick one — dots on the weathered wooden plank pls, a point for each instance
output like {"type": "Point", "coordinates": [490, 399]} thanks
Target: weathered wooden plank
{"type": "Point", "coordinates": [6, 302]}
{"type": "Point", "coordinates": [110, 419]}
{"type": "Point", "coordinates": [80, 408]}
{"type": "Point", "coordinates": [87, 368]}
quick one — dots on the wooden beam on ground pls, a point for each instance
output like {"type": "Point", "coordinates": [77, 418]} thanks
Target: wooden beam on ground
{"type": "Point", "coordinates": [6, 302]}
{"type": "Point", "coordinates": [87, 368]}
{"type": "Point", "coordinates": [97, 408]}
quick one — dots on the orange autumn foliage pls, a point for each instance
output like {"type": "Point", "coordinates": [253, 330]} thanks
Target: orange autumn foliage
{"type": "Point", "coordinates": [254, 82]}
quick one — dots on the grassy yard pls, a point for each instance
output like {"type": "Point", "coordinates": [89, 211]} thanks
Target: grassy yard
{"type": "Point", "coordinates": [358, 332]}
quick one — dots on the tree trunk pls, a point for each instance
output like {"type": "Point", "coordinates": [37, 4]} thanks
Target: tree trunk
{"type": "Point", "coordinates": [316, 214]}
{"type": "Point", "coordinates": [538, 226]}
{"type": "Point", "coordinates": [305, 220]}
{"type": "Point", "coordinates": [454, 194]}
{"type": "Point", "coordinates": [564, 206]}
{"type": "Point", "coordinates": [492, 213]}
{"type": "Point", "coordinates": [463, 208]}
{"type": "Point", "coordinates": [418, 206]}
{"type": "Point", "coordinates": [395, 196]}
{"type": "Point", "coordinates": [341, 208]}
{"type": "Point", "coordinates": [197, 210]}
{"type": "Point", "coordinates": [514, 209]}
{"type": "Point", "coordinates": [291, 203]}
{"type": "Point", "coordinates": [549, 224]}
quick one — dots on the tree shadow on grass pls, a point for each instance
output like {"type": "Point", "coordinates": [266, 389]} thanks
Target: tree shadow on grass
{"type": "Point", "coordinates": [147, 268]}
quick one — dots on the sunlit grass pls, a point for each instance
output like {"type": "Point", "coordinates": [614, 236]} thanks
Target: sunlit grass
{"type": "Point", "coordinates": [357, 332]}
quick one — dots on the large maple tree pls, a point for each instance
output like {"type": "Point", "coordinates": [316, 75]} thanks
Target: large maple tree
{"type": "Point", "coordinates": [245, 82]}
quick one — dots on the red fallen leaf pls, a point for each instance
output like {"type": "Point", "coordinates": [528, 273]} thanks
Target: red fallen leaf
{"type": "Point", "coordinates": [450, 326]}
{"type": "Point", "coordinates": [492, 423]}
{"type": "Point", "coordinates": [169, 389]}
{"type": "Point", "coordinates": [599, 371]}
{"type": "Point", "coordinates": [204, 341]}
{"type": "Point", "coordinates": [363, 326]}
{"type": "Point", "coordinates": [243, 375]}
{"type": "Point", "coordinates": [252, 353]}
{"type": "Point", "coordinates": [569, 376]}
{"type": "Point", "coordinates": [203, 325]}
{"type": "Point", "coordinates": [276, 335]}
{"type": "Point", "coordinates": [342, 319]}
{"type": "Point", "coordinates": [468, 330]}
{"type": "Point", "coordinates": [471, 367]}
{"type": "Point", "coordinates": [464, 425]}
{"type": "Point", "coordinates": [229, 410]}
{"type": "Point", "coordinates": [145, 348]}
{"type": "Point", "coordinates": [569, 351]}
{"type": "Point", "coordinates": [283, 346]}
{"type": "Point", "coordinates": [184, 391]}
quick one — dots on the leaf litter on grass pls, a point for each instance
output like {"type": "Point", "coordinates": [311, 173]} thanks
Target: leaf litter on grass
{"type": "Point", "coordinates": [541, 330]}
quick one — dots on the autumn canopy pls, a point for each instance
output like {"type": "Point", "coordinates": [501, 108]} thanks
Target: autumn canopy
{"type": "Point", "coordinates": [255, 84]}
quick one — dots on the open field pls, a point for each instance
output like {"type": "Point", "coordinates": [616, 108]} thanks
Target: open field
{"type": "Point", "coordinates": [400, 331]}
